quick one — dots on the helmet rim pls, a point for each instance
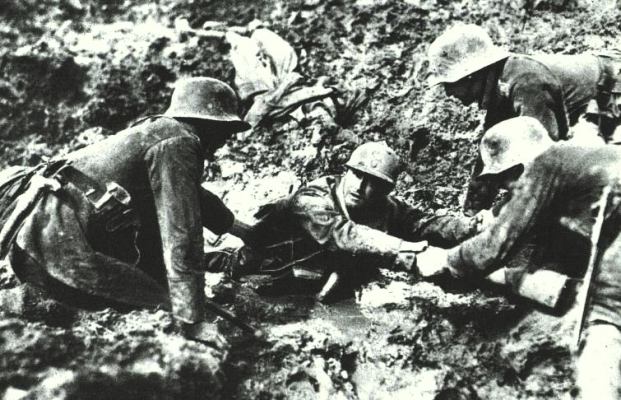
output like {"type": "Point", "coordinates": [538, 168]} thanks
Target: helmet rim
{"type": "Point", "coordinates": [206, 99]}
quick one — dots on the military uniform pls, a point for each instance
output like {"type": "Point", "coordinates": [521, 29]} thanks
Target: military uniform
{"type": "Point", "coordinates": [554, 89]}
{"type": "Point", "coordinates": [560, 187]}
{"type": "Point", "coordinates": [313, 229]}
{"type": "Point", "coordinates": [160, 163]}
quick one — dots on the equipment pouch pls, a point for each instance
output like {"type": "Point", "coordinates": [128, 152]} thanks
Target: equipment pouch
{"type": "Point", "coordinates": [112, 210]}
{"type": "Point", "coordinates": [112, 225]}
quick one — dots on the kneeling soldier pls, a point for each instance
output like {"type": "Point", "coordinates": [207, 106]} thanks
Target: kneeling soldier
{"type": "Point", "coordinates": [123, 219]}
{"type": "Point", "coordinates": [554, 184]}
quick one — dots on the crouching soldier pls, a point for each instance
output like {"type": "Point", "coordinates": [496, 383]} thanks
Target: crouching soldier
{"type": "Point", "coordinates": [554, 184]}
{"type": "Point", "coordinates": [122, 219]}
{"type": "Point", "coordinates": [341, 228]}
{"type": "Point", "coordinates": [558, 90]}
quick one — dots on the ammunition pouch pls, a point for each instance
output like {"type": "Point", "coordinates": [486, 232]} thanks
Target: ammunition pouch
{"type": "Point", "coordinates": [112, 225]}
{"type": "Point", "coordinates": [112, 210]}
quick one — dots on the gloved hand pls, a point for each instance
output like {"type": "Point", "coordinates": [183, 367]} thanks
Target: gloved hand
{"type": "Point", "coordinates": [206, 333]}
{"type": "Point", "coordinates": [432, 262]}
{"type": "Point", "coordinates": [406, 258]}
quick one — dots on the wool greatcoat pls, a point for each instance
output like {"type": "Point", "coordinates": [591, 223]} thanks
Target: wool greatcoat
{"type": "Point", "coordinates": [313, 229]}
{"type": "Point", "coordinates": [156, 259]}
{"type": "Point", "coordinates": [554, 89]}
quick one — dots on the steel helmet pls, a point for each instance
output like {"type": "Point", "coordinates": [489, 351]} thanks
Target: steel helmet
{"type": "Point", "coordinates": [376, 159]}
{"type": "Point", "coordinates": [205, 98]}
{"type": "Point", "coordinates": [460, 51]}
{"type": "Point", "coordinates": [511, 142]}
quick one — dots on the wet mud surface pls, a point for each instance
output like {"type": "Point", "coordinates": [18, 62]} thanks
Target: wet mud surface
{"type": "Point", "coordinates": [74, 71]}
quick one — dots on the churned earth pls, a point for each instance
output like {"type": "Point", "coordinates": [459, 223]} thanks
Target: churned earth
{"type": "Point", "coordinates": [74, 71]}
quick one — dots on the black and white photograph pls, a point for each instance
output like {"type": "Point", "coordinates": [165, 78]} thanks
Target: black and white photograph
{"type": "Point", "coordinates": [310, 199]}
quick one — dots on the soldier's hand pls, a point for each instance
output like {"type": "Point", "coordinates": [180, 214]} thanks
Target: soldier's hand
{"type": "Point", "coordinates": [432, 262]}
{"type": "Point", "coordinates": [483, 219]}
{"type": "Point", "coordinates": [406, 258]}
{"type": "Point", "coordinates": [206, 333]}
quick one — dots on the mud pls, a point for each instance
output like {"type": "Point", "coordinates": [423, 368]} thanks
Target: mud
{"type": "Point", "coordinates": [74, 71]}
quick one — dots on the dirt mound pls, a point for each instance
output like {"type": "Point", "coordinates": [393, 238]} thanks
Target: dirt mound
{"type": "Point", "coordinates": [69, 65]}
{"type": "Point", "coordinates": [105, 355]}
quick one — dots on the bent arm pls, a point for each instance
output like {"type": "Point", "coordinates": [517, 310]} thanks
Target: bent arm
{"type": "Point", "coordinates": [441, 231]}
{"type": "Point", "coordinates": [530, 202]}
{"type": "Point", "coordinates": [315, 212]}
{"type": "Point", "coordinates": [537, 97]}
{"type": "Point", "coordinates": [215, 215]}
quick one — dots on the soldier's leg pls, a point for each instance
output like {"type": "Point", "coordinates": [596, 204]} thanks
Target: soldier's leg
{"type": "Point", "coordinates": [598, 368]}
{"type": "Point", "coordinates": [39, 290]}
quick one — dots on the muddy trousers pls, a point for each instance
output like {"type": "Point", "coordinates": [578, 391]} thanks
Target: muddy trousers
{"type": "Point", "coordinates": [598, 367]}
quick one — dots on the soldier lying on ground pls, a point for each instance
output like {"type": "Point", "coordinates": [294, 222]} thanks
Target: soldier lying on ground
{"type": "Point", "coordinates": [555, 89]}
{"type": "Point", "coordinates": [341, 228]}
{"type": "Point", "coordinates": [553, 184]}
{"type": "Point", "coordinates": [123, 219]}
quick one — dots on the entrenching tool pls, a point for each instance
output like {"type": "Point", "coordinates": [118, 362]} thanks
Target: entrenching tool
{"type": "Point", "coordinates": [583, 294]}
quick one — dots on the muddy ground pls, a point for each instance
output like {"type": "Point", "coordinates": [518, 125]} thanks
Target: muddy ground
{"type": "Point", "coordinates": [74, 71]}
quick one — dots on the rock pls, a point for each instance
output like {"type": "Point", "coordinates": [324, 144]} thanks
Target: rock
{"type": "Point", "coordinates": [12, 393]}
{"type": "Point", "coordinates": [7, 276]}
{"type": "Point", "coordinates": [74, 4]}
{"type": "Point", "coordinates": [214, 25]}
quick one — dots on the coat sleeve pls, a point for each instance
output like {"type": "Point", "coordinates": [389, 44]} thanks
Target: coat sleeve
{"type": "Point", "coordinates": [537, 96]}
{"type": "Point", "coordinates": [174, 166]}
{"type": "Point", "coordinates": [441, 231]}
{"type": "Point", "coordinates": [530, 201]}
{"type": "Point", "coordinates": [315, 212]}
{"type": "Point", "coordinates": [215, 215]}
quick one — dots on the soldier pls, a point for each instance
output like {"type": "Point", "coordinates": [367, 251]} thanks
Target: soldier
{"type": "Point", "coordinates": [123, 219]}
{"type": "Point", "coordinates": [345, 225]}
{"type": "Point", "coordinates": [554, 184]}
{"type": "Point", "coordinates": [554, 89]}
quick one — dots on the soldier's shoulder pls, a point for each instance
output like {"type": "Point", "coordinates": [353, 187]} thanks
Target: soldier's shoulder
{"type": "Point", "coordinates": [162, 128]}
{"type": "Point", "coordinates": [519, 66]}
{"type": "Point", "coordinates": [562, 155]}
{"type": "Point", "coordinates": [316, 192]}
{"type": "Point", "coordinates": [323, 184]}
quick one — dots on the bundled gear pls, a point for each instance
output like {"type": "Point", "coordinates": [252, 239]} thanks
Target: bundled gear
{"type": "Point", "coordinates": [20, 189]}
{"type": "Point", "coordinates": [266, 78]}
